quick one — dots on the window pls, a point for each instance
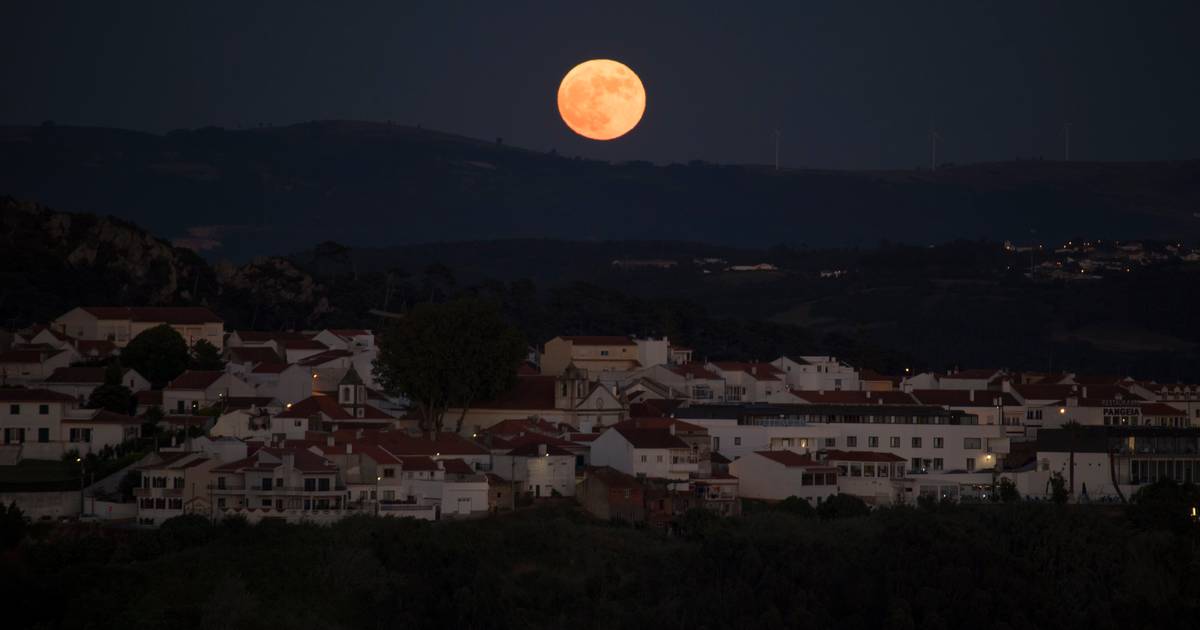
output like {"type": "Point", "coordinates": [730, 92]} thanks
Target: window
{"type": "Point", "coordinates": [266, 483]}
{"type": "Point", "coordinates": [323, 483]}
{"type": "Point", "coordinates": [916, 442]}
{"type": "Point", "coordinates": [972, 443]}
{"type": "Point", "coordinates": [389, 473]}
{"type": "Point", "coordinates": [916, 464]}
{"type": "Point", "coordinates": [737, 441]}
{"type": "Point", "coordinates": [855, 470]}
{"type": "Point", "coordinates": [938, 442]}
{"type": "Point", "coordinates": [43, 435]}
{"type": "Point", "coordinates": [643, 459]}
{"type": "Point", "coordinates": [14, 410]}
{"type": "Point", "coordinates": [266, 503]}
{"type": "Point", "coordinates": [221, 484]}
{"type": "Point", "coordinates": [895, 441]}
{"type": "Point", "coordinates": [604, 353]}
{"type": "Point", "coordinates": [851, 441]}
{"type": "Point", "coordinates": [868, 470]}
{"type": "Point", "coordinates": [389, 495]}
{"type": "Point", "coordinates": [937, 463]}
{"type": "Point", "coordinates": [660, 459]}
{"type": "Point", "coordinates": [830, 442]}
{"type": "Point", "coordinates": [310, 484]}
{"type": "Point", "coordinates": [970, 463]}
{"type": "Point", "coordinates": [1033, 414]}
{"type": "Point", "coordinates": [873, 442]}
{"type": "Point", "coordinates": [43, 410]}
{"type": "Point", "coordinates": [221, 502]}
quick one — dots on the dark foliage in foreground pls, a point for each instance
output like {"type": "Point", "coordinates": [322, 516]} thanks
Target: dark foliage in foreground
{"type": "Point", "coordinates": [994, 566]}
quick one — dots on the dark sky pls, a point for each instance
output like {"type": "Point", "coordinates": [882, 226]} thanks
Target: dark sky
{"type": "Point", "coordinates": [851, 84]}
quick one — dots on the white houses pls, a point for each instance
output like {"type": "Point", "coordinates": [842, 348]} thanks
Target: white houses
{"type": "Point", "coordinates": [120, 324]}
{"type": "Point", "coordinates": [637, 448]}
{"type": "Point", "coordinates": [172, 485]}
{"type": "Point", "coordinates": [78, 382]}
{"type": "Point", "coordinates": [31, 423]}
{"type": "Point", "coordinates": [817, 373]}
{"type": "Point", "coordinates": [777, 475]}
{"type": "Point", "coordinates": [197, 389]}
{"type": "Point", "coordinates": [289, 484]}
{"type": "Point", "coordinates": [539, 469]}
{"type": "Point", "coordinates": [32, 365]}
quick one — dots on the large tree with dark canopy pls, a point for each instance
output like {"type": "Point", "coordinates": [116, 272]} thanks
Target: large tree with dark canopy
{"type": "Point", "coordinates": [159, 354]}
{"type": "Point", "coordinates": [112, 395]}
{"type": "Point", "coordinates": [450, 355]}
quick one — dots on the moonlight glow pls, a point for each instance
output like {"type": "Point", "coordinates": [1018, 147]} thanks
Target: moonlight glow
{"type": "Point", "coordinates": [601, 99]}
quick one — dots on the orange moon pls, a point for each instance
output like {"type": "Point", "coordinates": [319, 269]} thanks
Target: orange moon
{"type": "Point", "coordinates": [601, 99]}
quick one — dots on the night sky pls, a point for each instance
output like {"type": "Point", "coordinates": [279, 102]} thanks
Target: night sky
{"type": "Point", "coordinates": [850, 84]}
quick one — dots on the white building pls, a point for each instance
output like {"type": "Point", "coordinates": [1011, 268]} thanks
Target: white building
{"type": "Point", "coordinates": [120, 324]}
{"type": "Point", "coordinates": [636, 449]}
{"type": "Point", "coordinates": [777, 475]}
{"type": "Point", "coordinates": [199, 389]}
{"type": "Point", "coordinates": [173, 485]}
{"type": "Point", "coordinates": [79, 382]}
{"type": "Point", "coordinates": [539, 469]}
{"type": "Point", "coordinates": [817, 373]}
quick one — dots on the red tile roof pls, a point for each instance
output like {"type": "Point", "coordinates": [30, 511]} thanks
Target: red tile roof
{"type": "Point", "coordinates": [253, 354]}
{"type": "Point", "coordinates": [861, 456]}
{"type": "Point", "coordinates": [21, 394]}
{"type": "Point", "coordinates": [104, 417]}
{"type": "Point", "coordinates": [263, 336]}
{"type": "Point", "coordinates": [695, 370]}
{"type": "Point", "coordinates": [513, 426]}
{"type": "Point", "coordinates": [1161, 409]}
{"type": "Point", "coordinates": [149, 397]}
{"type": "Point", "coordinates": [791, 459]}
{"type": "Point", "coordinates": [84, 375]}
{"type": "Point", "coordinates": [758, 371]}
{"type": "Point", "coordinates": [269, 368]}
{"type": "Point", "coordinates": [316, 404]}
{"type": "Point", "coordinates": [166, 314]}
{"type": "Point", "coordinates": [527, 369]}
{"type": "Point", "coordinates": [641, 437]}
{"type": "Point", "coordinates": [195, 379]}
{"type": "Point", "coordinates": [304, 460]}
{"type": "Point", "coordinates": [598, 340]}
{"type": "Point", "coordinates": [442, 444]}
{"type": "Point", "coordinates": [681, 427]}
{"type": "Point", "coordinates": [24, 356]}
{"type": "Point", "coordinates": [611, 477]}
{"type": "Point", "coordinates": [654, 408]}
{"type": "Point", "coordinates": [530, 392]}
{"type": "Point", "coordinates": [457, 467]}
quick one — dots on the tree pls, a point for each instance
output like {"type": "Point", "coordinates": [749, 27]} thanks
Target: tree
{"type": "Point", "coordinates": [205, 356]}
{"type": "Point", "coordinates": [796, 505]}
{"type": "Point", "coordinates": [159, 354]}
{"type": "Point", "coordinates": [112, 395]}
{"type": "Point", "coordinates": [451, 355]}
{"type": "Point", "coordinates": [1008, 491]}
{"type": "Point", "coordinates": [12, 525]}
{"type": "Point", "coordinates": [1058, 488]}
{"type": "Point", "coordinates": [842, 506]}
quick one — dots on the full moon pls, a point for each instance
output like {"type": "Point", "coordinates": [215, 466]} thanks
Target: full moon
{"type": "Point", "coordinates": [601, 99]}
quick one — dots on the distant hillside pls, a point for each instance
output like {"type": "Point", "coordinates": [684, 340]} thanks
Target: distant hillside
{"type": "Point", "coordinates": [241, 193]}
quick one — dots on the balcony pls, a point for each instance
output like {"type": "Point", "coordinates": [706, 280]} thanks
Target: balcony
{"type": "Point", "coordinates": [142, 491]}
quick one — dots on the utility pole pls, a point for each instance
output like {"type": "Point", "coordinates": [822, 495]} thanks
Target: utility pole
{"type": "Point", "coordinates": [1066, 142]}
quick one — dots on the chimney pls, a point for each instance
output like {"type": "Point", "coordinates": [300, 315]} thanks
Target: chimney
{"type": "Point", "coordinates": [1085, 391]}
{"type": "Point", "coordinates": [542, 449]}
{"type": "Point", "coordinates": [671, 428]}
{"type": "Point", "coordinates": [349, 449]}
{"type": "Point", "coordinates": [971, 396]}
{"type": "Point", "coordinates": [440, 464]}
{"type": "Point", "coordinates": [329, 440]}
{"type": "Point", "coordinates": [358, 434]}
{"type": "Point", "coordinates": [289, 460]}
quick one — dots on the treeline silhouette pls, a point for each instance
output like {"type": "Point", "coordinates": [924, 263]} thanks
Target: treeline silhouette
{"type": "Point", "coordinates": [1024, 565]}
